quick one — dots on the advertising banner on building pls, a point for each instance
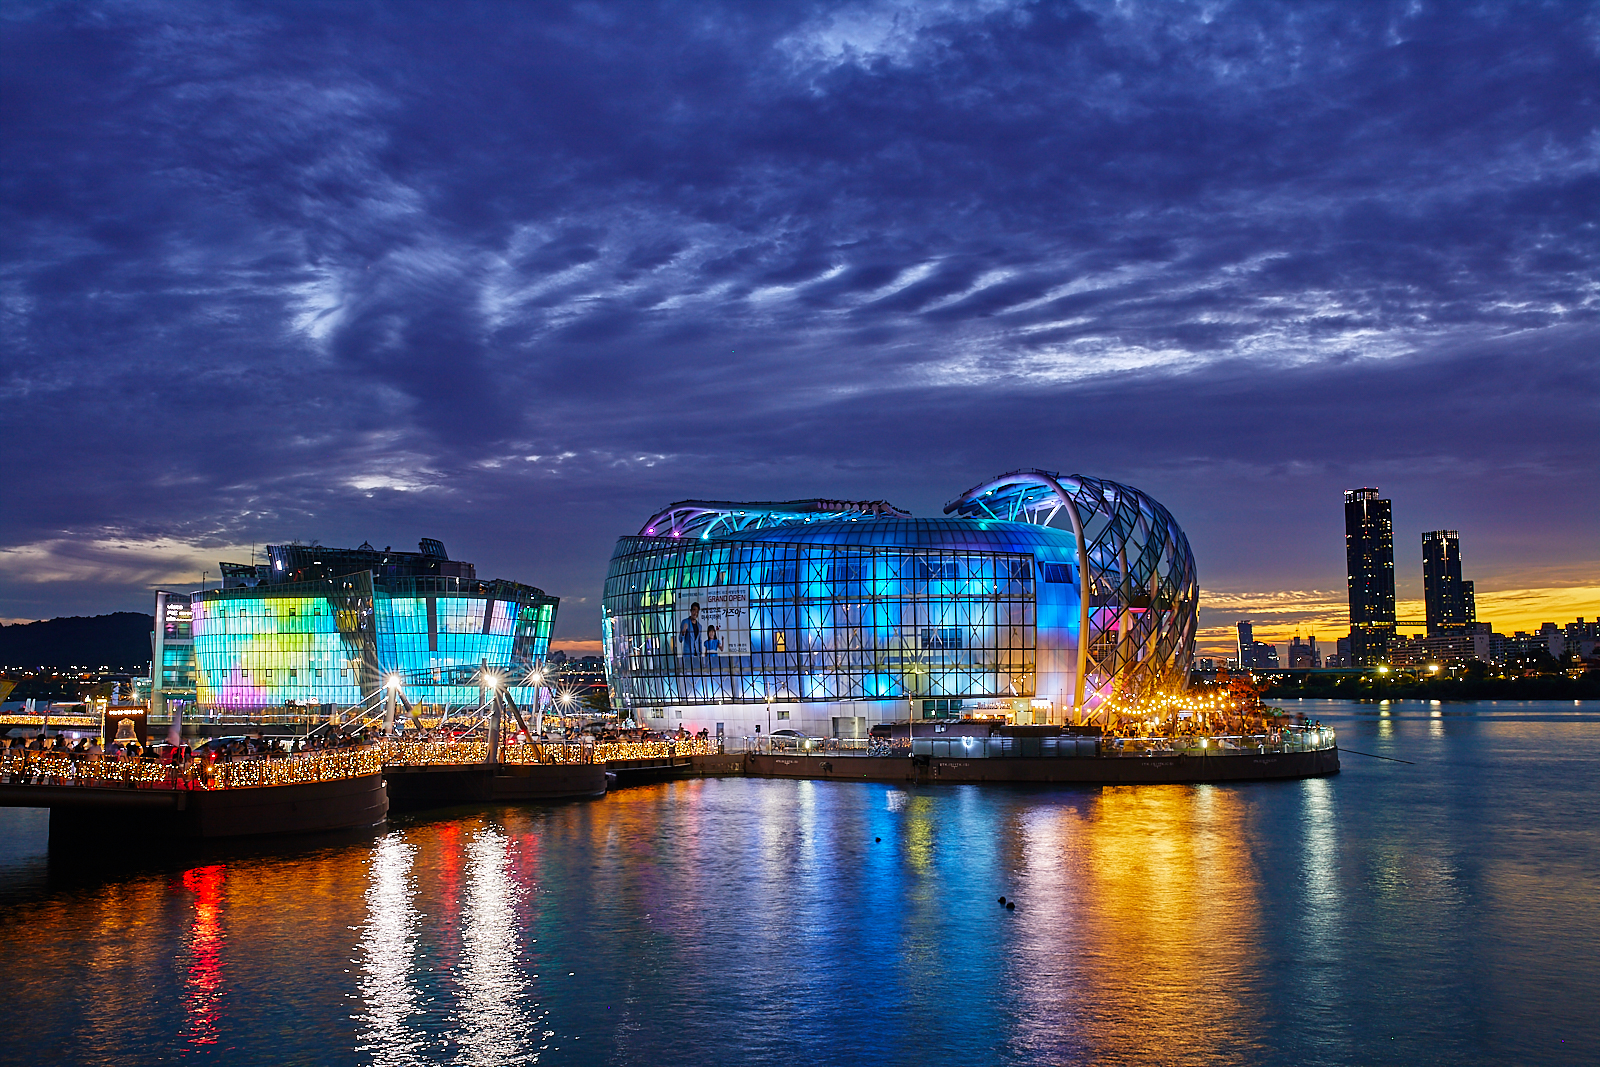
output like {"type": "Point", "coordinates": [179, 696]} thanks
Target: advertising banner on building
{"type": "Point", "coordinates": [713, 620]}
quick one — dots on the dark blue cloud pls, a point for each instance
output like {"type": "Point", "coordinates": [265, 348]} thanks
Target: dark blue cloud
{"type": "Point", "coordinates": [518, 276]}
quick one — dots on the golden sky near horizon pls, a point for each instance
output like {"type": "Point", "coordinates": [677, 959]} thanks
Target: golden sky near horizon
{"type": "Point", "coordinates": [1278, 617]}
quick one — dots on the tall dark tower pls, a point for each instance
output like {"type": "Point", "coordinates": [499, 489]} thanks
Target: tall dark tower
{"type": "Point", "coordinates": [1449, 600]}
{"type": "Point", "coordinates": [1369, 559]}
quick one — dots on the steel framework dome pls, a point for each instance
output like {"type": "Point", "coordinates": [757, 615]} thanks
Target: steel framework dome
{"type": "Point", "coordinates": [1138, 592]}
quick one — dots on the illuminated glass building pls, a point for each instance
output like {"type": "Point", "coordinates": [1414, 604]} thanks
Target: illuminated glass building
{"type": "Point", "coordinates": [1449, 601]}
{"type": "Point", "coordinates": [325, 627]}
{"type": "Point", "coordinates": [172, 653]}
{"type": "Point", "coordinates": [1040, 594]}
{"type": "Point", "coordinates": [1369, 559]}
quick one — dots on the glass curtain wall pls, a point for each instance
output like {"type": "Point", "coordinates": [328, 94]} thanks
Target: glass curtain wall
{"type": "Point", "coordinates": [334, 641]}
{"type": "Point", "coordinates": [438, 633]}
{"type": "Point", "coordinates": [305, 643]}
{"type": "Point", "coordinates": [826, 623]}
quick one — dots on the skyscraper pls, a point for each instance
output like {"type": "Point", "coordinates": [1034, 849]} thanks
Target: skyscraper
{"type": "Point", "coordinates": [1253, 654]}
{"type": "Point", "coordinates": [1449, 600]}
{"type": "Point", "coordinates": [1369, 559]}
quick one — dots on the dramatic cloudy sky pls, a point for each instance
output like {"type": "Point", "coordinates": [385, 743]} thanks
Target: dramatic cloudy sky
{"type": "Point", "coordinates": [515, 275]}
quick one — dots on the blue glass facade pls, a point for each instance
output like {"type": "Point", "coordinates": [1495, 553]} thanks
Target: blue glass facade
{"type": "Point", "coordinates": [933, 612]}
{"type": "Point", "coordinates": [857, 613]}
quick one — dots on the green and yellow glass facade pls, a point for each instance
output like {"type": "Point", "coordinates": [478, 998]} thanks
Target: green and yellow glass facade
{"type": "Point", "coordinates": [335, 641]}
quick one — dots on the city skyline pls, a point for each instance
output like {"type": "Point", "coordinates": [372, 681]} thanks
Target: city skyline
{"type": "Point", "coordinates": [509, 278]}
{"type": "Point", "coordinates": [1276, 616]}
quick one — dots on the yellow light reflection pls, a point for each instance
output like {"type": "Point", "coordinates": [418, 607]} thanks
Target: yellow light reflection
{"type": "Point", "coordinates": [1153, 881]}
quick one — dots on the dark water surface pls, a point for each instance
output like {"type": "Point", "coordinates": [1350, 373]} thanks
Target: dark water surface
{"type": "Point", "coordinates": [1446, 912]}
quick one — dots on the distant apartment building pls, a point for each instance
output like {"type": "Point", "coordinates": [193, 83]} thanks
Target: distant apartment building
{"type": "Point", "coordinates": [1369, 559]}
{"type": "Point", "coordinates": [1526, 650]}
{"type": "Point", "coordinates": [1475, 641]}
{"type": "Point", "coordinates": [1453, 648]}
{"type": "Point", "coordinates": [1304, 656]}
{"type": "Point", "coordinates": [1448, 601]}
{"type": "Point", "coordinates": [1580, 638]}
{"type": "Point", "coordinates": [1340, 657]}
{"type": "Point", "coordinates": [1255, 655]}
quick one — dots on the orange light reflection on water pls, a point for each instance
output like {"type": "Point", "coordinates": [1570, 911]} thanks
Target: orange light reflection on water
{"type": "Point", "coordinates": [1158, 905]}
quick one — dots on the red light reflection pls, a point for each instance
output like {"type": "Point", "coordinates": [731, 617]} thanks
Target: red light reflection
{"type": "Point", "coordinates": [203, 989]}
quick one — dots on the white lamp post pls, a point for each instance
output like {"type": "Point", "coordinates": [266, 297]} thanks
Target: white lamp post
{"type": "Point", "coordinates": [389, 700]}
{"type": "Point", "coordinates": [537, 678]}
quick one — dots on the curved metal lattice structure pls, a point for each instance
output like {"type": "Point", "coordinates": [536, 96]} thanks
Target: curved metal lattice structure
{"type": "Point", "coordinates": [706, 518]}
{"type": "Point", "coordinates": [1136, 575]}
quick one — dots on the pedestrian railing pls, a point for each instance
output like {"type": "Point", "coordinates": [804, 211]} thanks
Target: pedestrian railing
{"type": "Point", "coordinates": [400, 753]}
{"type": "Point", "coordinates": [461, 753]}
{"type": "Point", "coordinates": [237, 772]}
{"type": "Point", "coordinates": [1064, 746]}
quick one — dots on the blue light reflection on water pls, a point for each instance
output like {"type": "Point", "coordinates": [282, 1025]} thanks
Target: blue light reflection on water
{"type": "Point", "coordinates": [1444, 912]}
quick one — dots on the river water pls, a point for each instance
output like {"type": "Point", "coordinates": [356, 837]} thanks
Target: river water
{"type": "Point", "coordinates": [1442, 911]}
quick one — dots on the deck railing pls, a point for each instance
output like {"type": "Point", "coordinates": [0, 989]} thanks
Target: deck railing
{"type": "Point", "coordinates": [239, 772]}
{"type": "Point", "coordinates": [1288, 739]}
{"type": "Point", "coordinates": [463, 753]}
{"type": "Point", "coordinates": [625, 751]}
{"type": "Point", "coordinates": [58, 768]}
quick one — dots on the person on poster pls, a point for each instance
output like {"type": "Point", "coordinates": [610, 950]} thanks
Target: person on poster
{"type": "Point", "coordinates": [689, 632]}
{"type": "Point", "coordinates": [713, 643]}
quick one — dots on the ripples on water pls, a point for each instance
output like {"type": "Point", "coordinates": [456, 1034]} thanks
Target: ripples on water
{"type": "Point", "coordinates": [1439, 913]}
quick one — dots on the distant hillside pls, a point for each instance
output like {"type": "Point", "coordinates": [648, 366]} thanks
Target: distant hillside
{"type": "Point", "coordinates": [118, 640]}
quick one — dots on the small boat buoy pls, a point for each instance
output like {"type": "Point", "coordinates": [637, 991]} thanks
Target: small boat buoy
{"type": "Point", "coordinates": [1002, 900]}
{"type": "Point", "coordinates": [877, 839]}
{"type": "Point", "coordinates": [1011, 905]}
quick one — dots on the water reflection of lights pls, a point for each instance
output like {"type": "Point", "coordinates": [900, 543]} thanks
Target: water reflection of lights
{"type": "Point", "coordinates": [494, 1024]}
{"type": "Point", "coordinates": [1149, 881]}
{"type": "Point", "coordinates": [1322, 915]}
{"type": "Point", "coordinates": [919, 833]}
{"type": "Point", "coordinates": [1321, 848]}
{"type": "Point", "coordinates": [389, 945]}
{"type": "Point", "coordinates": [204, 992]}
